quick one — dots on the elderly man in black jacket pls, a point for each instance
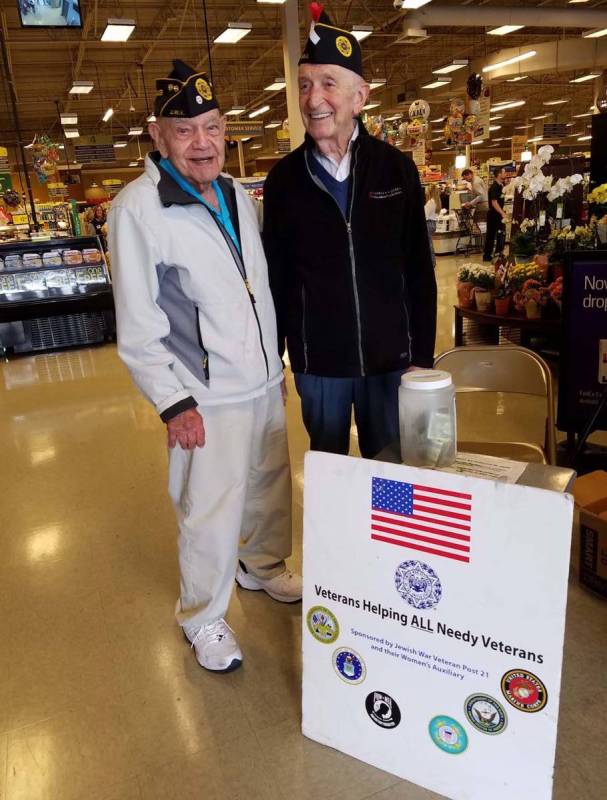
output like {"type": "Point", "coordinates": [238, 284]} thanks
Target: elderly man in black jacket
{"type": "Point", "coordinates": [348, 253]}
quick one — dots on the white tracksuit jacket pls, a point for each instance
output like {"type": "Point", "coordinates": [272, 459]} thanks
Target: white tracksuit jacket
{"type": "Point", "coordinates": [189, 329]}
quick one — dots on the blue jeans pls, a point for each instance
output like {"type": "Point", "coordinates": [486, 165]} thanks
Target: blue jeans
{"type": "Point", "coordinates": [326, 407]}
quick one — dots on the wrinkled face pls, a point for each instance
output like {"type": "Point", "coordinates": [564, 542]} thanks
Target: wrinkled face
{"type": "Point", "coordinates": [194, 146]}
{"type": "Point", "coordinates": [329, 98]}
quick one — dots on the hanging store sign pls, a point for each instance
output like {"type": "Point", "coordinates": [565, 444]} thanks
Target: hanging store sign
{"type": "Point", "coordinates": [4, 167]}
{"type": "Point", "coordinates": [283, 141]}
{"type": "Point", "coordinates": [237, 129]}
{"type": "Point", "coordinates": [94, 148]}
{"type": "Point", "coordinates": [57, 190]}
{"type": "Point", "coordinates": [112, 186]}
{"type": "Point", "coordinates": [555, 130]}
{"type": "Point", "coordinates": [483, 121]}
{"type": "Point", "coordinates": [519, 143]}
{"type": "Point", "coordinates": [419, 153]}
{"type": "Point", "coordinates": [421, 653]}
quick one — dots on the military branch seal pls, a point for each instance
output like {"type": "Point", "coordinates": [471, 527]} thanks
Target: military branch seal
{"type": "Point", "coordinates": [486, 714]}
{"type": "Point", "coordinates": [524, 690]}
{"type": "Point", "coordinates": [448, 735]}
{"type": "Point", "coordinates": [349, 666]}
{"type": "Point", "coordinates": [322, 624]}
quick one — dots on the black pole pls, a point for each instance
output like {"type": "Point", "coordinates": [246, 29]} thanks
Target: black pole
{"type": "Point", "coordinates": [13, 96]}
{"type": "Point", "coordinates": [145, 91]}
{"type": "Point", "coordinates": [67, 159]}
{"type": "Point", "coordinates": [206, 27]}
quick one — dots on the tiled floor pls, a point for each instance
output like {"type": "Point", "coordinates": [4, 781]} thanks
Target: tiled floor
{"type": "Point", "coordinates": [100, 699]}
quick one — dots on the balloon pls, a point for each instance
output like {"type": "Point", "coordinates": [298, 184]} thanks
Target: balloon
{"type": "Point", "coordinates": [457, 107]}
{"type": "Point", "coordinates": [419, 109]}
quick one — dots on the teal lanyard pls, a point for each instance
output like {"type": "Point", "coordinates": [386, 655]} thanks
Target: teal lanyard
{"type": "Point", "coordinates": [222, 216]}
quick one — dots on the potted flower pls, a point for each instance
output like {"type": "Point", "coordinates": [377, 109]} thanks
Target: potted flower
{"type": "Point", "coordinates": [465, 285]}
{"type": "Point", "coordinates": [530, 299]}
{"type": "Point", "coordinates": [502, 301]}
{"type": "Point", "coordinates": [521, 273]}
{"type": "Point", "coordinates": [523, 242]}
{"type": "Point", "coordinates": [484, 285]}
{"type": "Point", "coordinates": [598, 197]}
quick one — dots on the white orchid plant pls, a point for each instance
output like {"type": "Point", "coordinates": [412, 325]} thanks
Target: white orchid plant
{"type": "Point", "coordinates": [533, 182]}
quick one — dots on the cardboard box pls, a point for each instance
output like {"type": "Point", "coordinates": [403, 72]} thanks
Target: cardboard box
{"type": "Point", "coordinates": [590, 492]}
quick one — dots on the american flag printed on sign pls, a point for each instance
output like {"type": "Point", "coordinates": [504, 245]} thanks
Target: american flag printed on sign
{"type": "Point", "coordinates": [424, 518]}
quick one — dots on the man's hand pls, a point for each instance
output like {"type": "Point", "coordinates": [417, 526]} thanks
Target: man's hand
{"type": "Point", "coordinates": [284, 391]}
{"type": "Point", "coordinates": [186, 428]}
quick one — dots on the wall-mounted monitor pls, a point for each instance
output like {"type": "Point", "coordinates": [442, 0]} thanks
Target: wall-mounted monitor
{"type": "Point", "coordinates": [50, 13]}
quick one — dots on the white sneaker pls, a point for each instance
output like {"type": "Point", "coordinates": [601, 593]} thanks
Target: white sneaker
{"type": "Point", "coordinates": [286, 587]}
{"type": "Point", "coordinates": [215, 646]}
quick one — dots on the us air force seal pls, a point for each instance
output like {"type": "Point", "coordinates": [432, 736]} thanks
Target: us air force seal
{"type": "Point", "coordinates": [448, 735]}
{"type": "Point", "coordinates": [524, 690]}
{"type": "Point", "coordinates": [418, 584]}
{"type": "Point", "coordinates": [322, 624]}
{"type": "Point", "coordinates": [349, 666]}
{"type": "Point", "coordinates": [344, 46]}
{"type": "Point", "coordinates": [485, 713]}
{"type": "Point", "coordinates": [383, 710]}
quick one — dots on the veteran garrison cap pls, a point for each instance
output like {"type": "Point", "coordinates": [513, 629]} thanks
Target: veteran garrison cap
{"type": "Point", "coordinates": [330, 45]}
{"type": "Point", "coordinates": [185, 93]}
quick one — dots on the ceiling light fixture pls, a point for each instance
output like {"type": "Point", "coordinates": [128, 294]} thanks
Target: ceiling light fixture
{"type": "Point", "coordinates": [393, 118]}
{"type": "Point", "coordinates": [583, 78]}
{"type": "Point", "coordinates": [595, 34]}
{"type": "Point", "coordinates": [584, 138]}
{"type": "Point", "coordinates": [69, 119]}
{"type": "Point", "coordinates": [137, 131]}
{"type": "Point", "coordinates": [555, 102]}
{"type": "Point", "coordinates": [133, 164]}
{"type": "Point", "coordinates": [460, 161]}
{"type": "Point", "coordinates": [375, 83]}
{"type": "Point", "coordinates": [81, 87]}
{"type": "Point", "coordinates": [272, 2]}
{"type": "Point", "coordinates": [536, 139]}
{"type": "Point", "coordinates": [542, 116]}
{"type": "Point", "coordinates": [258, 111]}
{"type": "Point", "coordinates": [361, 32]}
{"type": "Point", "coordinates": [507, 104]}
{"type": "Point", "coordinates": [518, 78]}
{"type": "Point", "coordinates": [118, 30]}
{"type": "Point", "coordinates": [580, 116]}
{"type": "Point", "coordinates": [505, 29]}
{"type": "Point", "coordinates": [234, 33]}
{"type": "Point", "coordinates": [506, 63]}
{"type": "Point", "coordinates": [256, 147]}
{"type": "Point", "coordinates": [478, 141]}
{"type": "Point", "coordinates": [369, 106]}
{"type": "Point", "coordinates": [276, 86]}
{"type": "Point", "coordinates": [71, 134]}
{"type": "Point", "coordinates": [151, 118]}
{"type": "Point", "coordinates": [526, 155]}
{"type": "Point", "coordinates": [495, 127]}
{"type": "Point", "coordinates": [438, 82]}
{"type": "Point", "coordinates": [273, 124]}
{"type": "Point", "coordinates": [456, 63]}
{"type": "Point", "coordinates": [522, 127]}
{"type": "Point", "coordinates": [120, 144]}
{"type": "Point", "coordinates": [414, 3]}
{"type": "Point", "coordinates": [496, 117]}
{"type": "Point", "coordinates": [235, 111]}
{"type": "Point", "coordinates": [108, 114]}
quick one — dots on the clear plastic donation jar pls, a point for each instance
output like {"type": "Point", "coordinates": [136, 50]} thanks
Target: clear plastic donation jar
{"type": "Point", "coordinates": [428, 428]}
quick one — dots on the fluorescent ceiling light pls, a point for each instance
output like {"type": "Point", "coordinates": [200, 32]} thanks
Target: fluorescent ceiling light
{"type": "Point", "coordinates": [108, 114]}
{"type": "Point", "coordinates": [582, 78]}
{"type": "Point", "coordinates": [595, 34]}
{"type": "Point", "coordinates": [369, 106]}
{"type": "Point", "coordinates": [393, 118]}
{"type": "Point", "coordinates": [120, 144]}
{"type": "Point", "coordinates": [246, 139]}
{"type": "Point", "coordinates": [440, 119]}
{"type": "Point", "coordinates": [235, 111]}
{"type": "Point", "coordinates": [276, 86]}
{"type": "Point", "coordinates": [587, 114]}
{"type": "Point", "coordinates": [361, 32]}
{"type": "Point", "coordinates": [505, 29]}
{"type": "Point", "coordinates": [569, 124]}
{"type": "Point", "coordinates": [543, 116]}
{"type": "Point", "coordinates": [518, 78]}
{"type": "Point", "coordinates": [496, 117]}
{"type": "Point", "coordinates": [69, 119]}
{"type": "Point", "coordinates": [133, 164]}
{"type": "Point", "coordinates": [61, 146]}
{"type": "Point", "coordinates": [81, 87]}
{"type": "Point", "coordinates": [571, 2]}
{"type": "Point", "coordinates": [536, 139]}
{"type": "Point", "coordinates": [135, 131]}
{"type": "Point", "coordinates": [256, 147]}
{"type": "Point", "coordinates": [151, 118]}
{"type": "Point", "coordinates": [501, 139]}
{"type": "Point", "coordinates": [522, 127]}
{"type": "Point", "coordinates": [281, 2]}
{"type": "Point", "coordinates": [258, 111]}
{"type": "Point", "coordinates": [506, 63]}
{"type": "Point", "coordinates": [375, 83]}
{"type": "Point", "coordinates": [414, 3]}
{"type": "Point", "coordinates": [456, 63]}
{"type": "Point", "coordinates": [555, 102]}
{"type": "Point", "coordinates": [71, 134]}
{"type": "Point", "coordinates": [460, 161]}
{"type": "Point", "coordinates": [508, 104]}
{"type": "Point", "coordinates": [438, 82]}
{"type": "Point", "coordinates": [495, 127]}
{"type": "Point", "coordinates": [273, 124]}
{"type": "Point", "coordinates": [234, 33]}
{"type": "Point", "coordinates": [438, 139]}
{"type": "Point", "coordinates": [584, 138]}
{"type": "Point", "coordinates": [118, 30]}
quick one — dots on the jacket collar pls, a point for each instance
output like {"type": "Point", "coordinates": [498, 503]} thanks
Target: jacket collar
{"type": "Point", "coordinates": [170, 192]}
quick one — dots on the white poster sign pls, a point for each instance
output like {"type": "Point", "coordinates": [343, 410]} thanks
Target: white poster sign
{"type": "Point", "coordinates": [433, 624]}
{"type": "Point", "coordinates": [419, 153]}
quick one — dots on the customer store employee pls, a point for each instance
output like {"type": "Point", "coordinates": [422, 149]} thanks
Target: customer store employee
{"type": "Point", "coordinates": [347, 247]}
{"type": "Point", "coordinates": [197, 330]}
{"type": "Point", "coordinates": [496, 215]}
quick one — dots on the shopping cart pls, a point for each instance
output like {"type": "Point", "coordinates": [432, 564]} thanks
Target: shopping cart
{"type": "Point", "coordinates": [471, 238]}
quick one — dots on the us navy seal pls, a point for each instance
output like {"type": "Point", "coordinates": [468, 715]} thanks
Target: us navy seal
{"type": "Point", "coordinates": [418, 584]}
{"type": "Point", "coordinates": [486, 714]}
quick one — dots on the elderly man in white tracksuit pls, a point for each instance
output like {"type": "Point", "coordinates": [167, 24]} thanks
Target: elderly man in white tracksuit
{"type": "Point", "coordinates": [197, 330]}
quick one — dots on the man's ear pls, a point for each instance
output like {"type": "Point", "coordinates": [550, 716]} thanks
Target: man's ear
{"type": "Point", "coordinates": [155, 131]}
{"type": "Point", "coordinates": [361, 95]}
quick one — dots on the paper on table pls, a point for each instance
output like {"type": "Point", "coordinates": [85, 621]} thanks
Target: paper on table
{"type": "Point", "coordinates": [488, 467]}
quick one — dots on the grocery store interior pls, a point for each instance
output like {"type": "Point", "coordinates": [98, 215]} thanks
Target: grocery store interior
{"type": "Point", "coordinates": [100, 696]}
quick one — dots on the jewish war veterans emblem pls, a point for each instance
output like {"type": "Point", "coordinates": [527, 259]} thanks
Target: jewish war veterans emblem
{"type": "Point", "coordinates": [203, 89]}
{"type": "Point", "coordinates": [383, 710]}
{"type": "Point", "coordinates": [448, 735]}
{"type": "Point", "coordinates": [418, 584]}
{"type": "Point", "coordinates": [524, 690]}
{"type": "Point", "coordinates": [322, 624]}
{"type": "Point", "coordinates": [485, 713]}
{"type": "Point", "coordinates": [344, 46]}
{"type": "Point", "coordinates": [349, 666]}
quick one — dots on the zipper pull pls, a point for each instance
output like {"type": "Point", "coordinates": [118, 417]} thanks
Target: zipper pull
{"type": "Point", "coordinates": [349, 227]}
{"type": "Point", "coordinates": [249, 290]}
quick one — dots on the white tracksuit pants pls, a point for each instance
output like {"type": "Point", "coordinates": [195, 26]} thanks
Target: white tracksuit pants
{"type": "Point", "coordinates": [233, 500]}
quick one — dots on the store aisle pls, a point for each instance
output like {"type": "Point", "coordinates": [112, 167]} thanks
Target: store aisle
{"type": "Point", "coordinates": [100, 697]}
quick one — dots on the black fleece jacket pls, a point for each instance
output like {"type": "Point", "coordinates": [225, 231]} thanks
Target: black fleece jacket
{"type": "Point", "coordinates": [354, 296]}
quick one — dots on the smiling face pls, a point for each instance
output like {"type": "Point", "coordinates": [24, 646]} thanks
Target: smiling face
{"type": "Point", "coordinates": [194, 146]}
{"type": "Point", "coordinates": [329, 98]}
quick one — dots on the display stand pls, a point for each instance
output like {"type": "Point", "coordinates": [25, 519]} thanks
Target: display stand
{"type": "Point", "coordinates": [491, 327]}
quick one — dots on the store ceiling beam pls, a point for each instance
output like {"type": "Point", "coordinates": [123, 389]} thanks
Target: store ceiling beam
{"type": "Point", "coordinates": [433, 15]}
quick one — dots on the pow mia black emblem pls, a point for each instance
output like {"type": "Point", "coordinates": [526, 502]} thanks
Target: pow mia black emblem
{"type": "Point", "coordinates": [383, 710]}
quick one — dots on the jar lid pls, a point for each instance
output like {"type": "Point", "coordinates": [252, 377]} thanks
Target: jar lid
{"type": "Point", "coordinates": [426, 380]}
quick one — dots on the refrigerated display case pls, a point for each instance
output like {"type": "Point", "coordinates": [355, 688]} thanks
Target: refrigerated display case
{"type": "Point", "coordinates": [53, 294]}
